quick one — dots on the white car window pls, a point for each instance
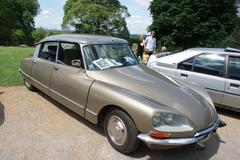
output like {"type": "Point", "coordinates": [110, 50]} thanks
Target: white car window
{"type": "Point", "coordinates": [211, 64]}
{"type": "Point", "coordinates": [234, 68]}
{"type": "Point", "coordinates": [186, 65]}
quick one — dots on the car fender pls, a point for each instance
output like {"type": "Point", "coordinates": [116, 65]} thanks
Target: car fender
{"type": "Point", "coordinates": [102, 95]}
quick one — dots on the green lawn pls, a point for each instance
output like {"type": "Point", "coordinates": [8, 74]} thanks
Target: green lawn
{"type": "Point", "coordinates": [10, 58]}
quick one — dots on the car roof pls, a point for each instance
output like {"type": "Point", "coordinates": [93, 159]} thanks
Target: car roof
{"type": "Point", "coordinates": [181, 56]}
{"type": "Point", "coordinates": [84, 38]}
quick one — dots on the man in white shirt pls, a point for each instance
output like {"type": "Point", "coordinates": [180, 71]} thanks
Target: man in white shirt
{"type": "Point", "coordinates": [150, 44]}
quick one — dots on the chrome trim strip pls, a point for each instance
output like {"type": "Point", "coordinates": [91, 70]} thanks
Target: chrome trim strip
{"type": "Point", "coordinates": [91, 112]}
{"type": "Point", "coordinates": [83, 55]}
{"type": "Point", "coordinates": [41, 84]}
{"type": "Point", "coordinates": [171, 142]}
{"type": "Point", "coordinates": [179, 141]}
{"type": "Point", "coordinates": [62, 96]}
{"type": "Point", "coordinates": [214, 126]}
{"type": "Point", "coordinates": [23, 73]}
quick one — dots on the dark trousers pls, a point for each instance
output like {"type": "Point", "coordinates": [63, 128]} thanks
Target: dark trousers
{"type": "Point", "coordinates": [150, 53]}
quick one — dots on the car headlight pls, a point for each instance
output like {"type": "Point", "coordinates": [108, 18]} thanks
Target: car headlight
{"type": "Point", "coordinates": [168, 122]}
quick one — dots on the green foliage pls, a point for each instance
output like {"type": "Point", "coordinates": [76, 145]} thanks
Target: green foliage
{"type": "Point", "coordinates": [190, 23]}
{"type": "Point", "coordinates": [15, 16]}
{"type": "Point", "coordinates": [41, 33]}
{"type": "Point", "coordinates": [133, 39]}
{"type": "Point", "coordinates": [96, 17]}
{"type": "Point", "coordinates": [233, 40]}
{"type": "Point", "coordinates": [10, 58]}
{"type": "Point", "coordinates": [18, 36]}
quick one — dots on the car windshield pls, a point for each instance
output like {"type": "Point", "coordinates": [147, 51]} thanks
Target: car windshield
{"type": "Point", "coordinates": [104, 56]}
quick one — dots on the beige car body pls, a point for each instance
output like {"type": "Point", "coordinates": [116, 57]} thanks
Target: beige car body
{"type": "Point", "coordinates": [136, 90]}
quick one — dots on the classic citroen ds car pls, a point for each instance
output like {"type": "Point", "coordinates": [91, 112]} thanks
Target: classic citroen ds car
{"type": "Point", "coordinates": [99, 78]}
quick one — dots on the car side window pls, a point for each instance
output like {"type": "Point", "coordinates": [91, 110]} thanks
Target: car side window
{"type": "Point", "coordinates": [68, 52]}
{"type": "Point", "coordinates": [211, 64]}
{"type": "Point", "coordinates": [234, 68]}
{"type": "Point", "coordinates": [186, 65]}
{"type": "Point", "coordinates": [48, 51]}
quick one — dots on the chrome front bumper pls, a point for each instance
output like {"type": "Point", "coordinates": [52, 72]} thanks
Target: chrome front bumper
{"type": "Point", "coordinates": [172, 142]}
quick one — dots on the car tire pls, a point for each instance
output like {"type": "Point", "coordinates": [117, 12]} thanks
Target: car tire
{"type": "Point", "coordinates": [121, 131]}
{"type": "Point", "coordinates": [29, 85]}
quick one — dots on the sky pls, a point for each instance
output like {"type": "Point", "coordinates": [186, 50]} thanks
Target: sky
{"type": "Point", "coordinates": [51, 15]}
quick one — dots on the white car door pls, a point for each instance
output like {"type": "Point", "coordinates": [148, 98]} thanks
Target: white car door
{"type": "Point", "coordinates": [232, 89]}
{"type": "Point", "coordinates": [206, 70]}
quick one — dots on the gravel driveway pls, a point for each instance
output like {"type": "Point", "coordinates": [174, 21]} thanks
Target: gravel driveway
{"type": "Point", "coordinates": [33, 126]}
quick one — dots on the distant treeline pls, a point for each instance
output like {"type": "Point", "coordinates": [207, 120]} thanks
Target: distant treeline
{"type": "Point", "coordinates": [40, 33]}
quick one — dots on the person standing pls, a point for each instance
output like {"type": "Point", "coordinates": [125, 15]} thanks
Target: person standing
{"type": "Point", "coordinates": [150, 44]}
{"type": "Point", "coordinates": [140, 47]}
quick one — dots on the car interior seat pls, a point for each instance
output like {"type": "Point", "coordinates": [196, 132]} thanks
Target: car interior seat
{"type": "Point", "coordinates": [52, 50]}
{"type": "Point", "coordinates": [71, 54]}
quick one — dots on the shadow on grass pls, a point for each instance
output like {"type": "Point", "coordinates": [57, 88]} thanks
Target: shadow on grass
{"type": "Point", "coordinates": [188, 152]}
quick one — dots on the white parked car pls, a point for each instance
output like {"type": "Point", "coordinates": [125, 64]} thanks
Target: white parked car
{"type": "Point", "coordinates": [215, 69]}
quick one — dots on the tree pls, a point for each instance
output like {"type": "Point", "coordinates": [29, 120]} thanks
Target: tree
{"type": "Point", "coordinates": [234, 39]}
{"type": "Point", "coordinates": [190, 23]}
{"type": "Point", "coordinates": [15, 16]}
{"type": "Point", "coordinates": [96, 17]}
{"type": "Point", "coordinates": [40, 33]}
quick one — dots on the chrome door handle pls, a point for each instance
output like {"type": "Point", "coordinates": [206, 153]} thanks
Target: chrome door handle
{"type": "Point", "coordinates": [183, 75]}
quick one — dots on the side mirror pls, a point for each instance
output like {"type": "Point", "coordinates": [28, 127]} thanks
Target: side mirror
{"type": "Point", "coordinates": [76, 62]}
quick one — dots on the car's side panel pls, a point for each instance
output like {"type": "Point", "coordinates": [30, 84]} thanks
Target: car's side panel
{"type": "Point", "coordinates": [166, 70]}
{"type": "Point", "coordinates": [102, 94]}
{"type": "Point", "coordinates": [41, 74]}
{"type": "Point", "coordinates": [26, 67]}
{"type": "Point", "coordinates": [70, 86]}
{"type": "Point", "coordinates": [232, 94]}
{"type": "Point", "coordinates": [215, 95]}
{"type": "Point", "coordinates": [214, 85]}
{"type": "Point", "coordinates": [26, 64]}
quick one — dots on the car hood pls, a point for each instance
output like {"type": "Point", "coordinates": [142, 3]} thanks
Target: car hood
{"type": "Point", "coordinates": [160, 88]}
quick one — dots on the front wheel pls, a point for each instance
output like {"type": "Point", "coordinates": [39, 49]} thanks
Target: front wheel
{"type": "Point", "coordinates": [121, 131]}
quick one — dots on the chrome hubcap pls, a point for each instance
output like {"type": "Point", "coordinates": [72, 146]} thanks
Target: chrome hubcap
{"type": "Point", "coordinates": [117, 130]}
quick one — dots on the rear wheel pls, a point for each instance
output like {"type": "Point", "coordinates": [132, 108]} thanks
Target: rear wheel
{"type": "Point", "coordinates": [121, 131]}
{"type": "Point", "coordinates": [29, 85]}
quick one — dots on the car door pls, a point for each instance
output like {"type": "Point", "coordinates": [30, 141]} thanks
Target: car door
{"type": "Point", "coordinates": [232, 89]}
{"type": "Point", "coordinates": [69, 84]}
{"type": "Point", "coordinates": [43, 65]}
{"type": "Point", "coordinates": [206, 70]}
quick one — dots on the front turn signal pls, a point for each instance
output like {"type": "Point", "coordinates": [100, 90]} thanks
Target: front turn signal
{"type": "Point", "coordinates": [159, 135]}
